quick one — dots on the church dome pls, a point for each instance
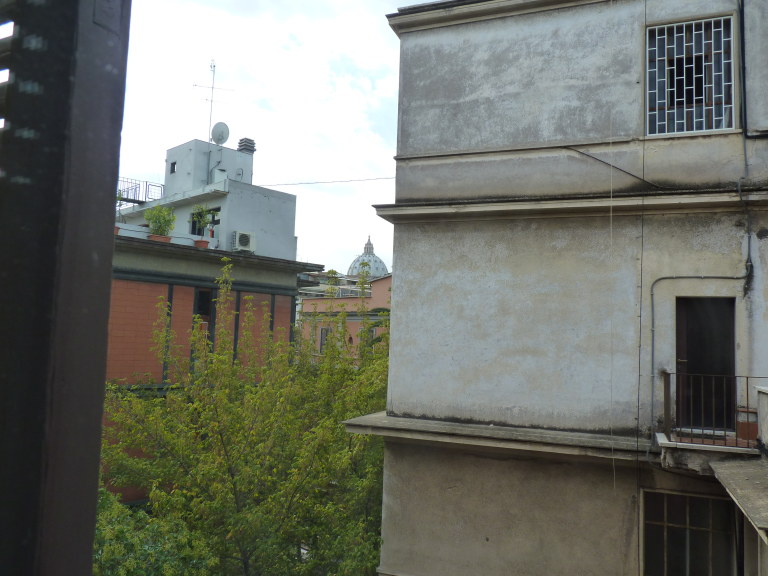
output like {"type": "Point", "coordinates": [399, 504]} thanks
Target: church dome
{"type": "Point", "coordinates": [376, 266]}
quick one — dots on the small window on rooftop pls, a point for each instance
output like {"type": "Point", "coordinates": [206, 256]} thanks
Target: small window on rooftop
{"type": "Point", "coordinates": [173, 167]}
{"type": "Point", "coordinates": [197, 229]}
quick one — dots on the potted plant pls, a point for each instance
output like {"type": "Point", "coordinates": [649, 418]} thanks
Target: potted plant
{"type": "Point", "coordinates": [118, 215]}
{"type": "Point", "coordinates": [201, 216]}
{"type": "Point", "coordinates": [161, 220]}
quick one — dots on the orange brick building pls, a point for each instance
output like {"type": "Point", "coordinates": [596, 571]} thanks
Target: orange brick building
{"type": "Point", "coordinates": [317, 314]}
{"type": "Point", "coordinates": [145, 272]}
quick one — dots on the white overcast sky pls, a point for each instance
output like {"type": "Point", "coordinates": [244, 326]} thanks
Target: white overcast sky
{"type": "Point", "coordinates": [313, 82]}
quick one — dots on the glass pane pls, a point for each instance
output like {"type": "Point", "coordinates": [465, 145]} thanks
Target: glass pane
{"type": "Point", "coordinates": [728, 123]}
{"type": "Point", "coordinates": [722, 553]}
{"type": "Point", "coordinates": [699, 512]}
{"type": "Point", "coordinates": [654, 507]}
{"type": "Point", "coordinates": [652, 123]}
{"type": "Point", "coordinates": [676, 509]}
{"type": "Point", "coordinates": [677, 550]}
{"type": "Point", "coordinates": [654, 550]}
{"type": "Point", "coordinates": [699, 554]}
{"type": "Point", "coordinates": [722, 515]}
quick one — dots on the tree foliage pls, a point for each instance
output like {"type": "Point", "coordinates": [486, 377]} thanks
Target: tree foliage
{"type": "Point", "coordinates": [130, 542]}
{"type": "Point", "coordinates": [245, 449]}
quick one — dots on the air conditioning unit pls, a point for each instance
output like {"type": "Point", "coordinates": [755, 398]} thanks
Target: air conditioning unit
{"type": "Point", "coordinates": [243, 242]}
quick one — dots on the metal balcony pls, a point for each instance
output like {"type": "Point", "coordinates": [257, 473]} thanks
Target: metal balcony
{"type": "Point", "coordinates": [710, 409]}
{"type": "Point", "coordinates": [131, 191]}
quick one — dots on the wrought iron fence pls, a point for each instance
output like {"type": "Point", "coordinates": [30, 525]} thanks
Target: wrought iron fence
{"type": "Point", "coordinates": [130, 191]}
{"type": "Point", "coordinates": [710, 409]}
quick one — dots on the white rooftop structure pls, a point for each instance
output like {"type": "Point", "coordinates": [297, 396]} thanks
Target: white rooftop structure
{"type": "Point", "coordinates": [244, 218]}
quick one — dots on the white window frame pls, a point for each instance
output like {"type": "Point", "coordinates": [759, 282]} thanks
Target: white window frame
{"type": "Point", "coordinates": [690, 77]}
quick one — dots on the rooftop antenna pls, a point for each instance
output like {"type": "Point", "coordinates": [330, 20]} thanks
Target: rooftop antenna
{"type": "Point", "coordinates": [213, 85]}
{"type": "Point", "coordinates": [212, 88]}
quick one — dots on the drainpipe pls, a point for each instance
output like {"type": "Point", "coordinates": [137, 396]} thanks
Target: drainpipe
{"type": "Point", "coordinates": [743, 82]}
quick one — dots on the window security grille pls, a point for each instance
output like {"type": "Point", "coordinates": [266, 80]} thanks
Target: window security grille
{"type": "Point", "coordinates": [687, 535]}
{"type": "Point", "coordinates": [690, 77]}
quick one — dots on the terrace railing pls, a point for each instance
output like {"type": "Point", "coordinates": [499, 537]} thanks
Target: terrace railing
{"type": "Point", "coordinates": [710, 409]}
{"type": "Point", "coordinates": [131, 191]}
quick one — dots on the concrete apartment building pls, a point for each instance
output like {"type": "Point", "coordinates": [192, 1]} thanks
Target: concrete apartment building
{"type": "Point", "coordinates": [585, 185]}
{"type": "Point", "coordinates": [250, 225]}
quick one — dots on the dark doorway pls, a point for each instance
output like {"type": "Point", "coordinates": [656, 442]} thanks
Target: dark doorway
{"type": "Point", "coordinates": [706, 388]}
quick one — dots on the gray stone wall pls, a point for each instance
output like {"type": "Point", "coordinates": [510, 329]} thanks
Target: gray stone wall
{"type": "Point", "coordinates": [550, 322]}
{"type": "Point", "coordinates": [452, 513]}
{"type": "Point", "coordinates": [543, 102]}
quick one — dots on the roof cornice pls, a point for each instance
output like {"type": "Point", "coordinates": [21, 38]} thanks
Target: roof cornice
{"type": "Point", "coordinates": [212, 256]}
{"type": "Point", "coordinates": [523, 208]}
{"type": "Point", "coordinates": [452, 12]}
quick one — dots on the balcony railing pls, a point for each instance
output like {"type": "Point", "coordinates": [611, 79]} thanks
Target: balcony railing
{"type": "Point", "coordinates": [710, 409]}
{"type": "Point", "coordinates": [131, 191]}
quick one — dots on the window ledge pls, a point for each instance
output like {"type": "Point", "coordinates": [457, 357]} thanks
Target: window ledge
{"type": "Point", "coordinates": [664, 442]}
{"type": "Point", "coordinates": [499, 438]}
{"type": "Point", "coordinates": [699, 134]}
{"type": "Point", "coordinates": [447, 13]}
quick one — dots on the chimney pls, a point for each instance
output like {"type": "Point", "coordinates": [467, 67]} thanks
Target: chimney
{"type": "Point", "coordinates": [246, 145]}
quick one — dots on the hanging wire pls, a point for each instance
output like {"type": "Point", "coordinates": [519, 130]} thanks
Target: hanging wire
{"type": "Point", "coordinates": [328, 181]}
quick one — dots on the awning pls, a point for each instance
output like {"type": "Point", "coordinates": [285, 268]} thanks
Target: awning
{"type": "Point", "coordinates": [747, 483]}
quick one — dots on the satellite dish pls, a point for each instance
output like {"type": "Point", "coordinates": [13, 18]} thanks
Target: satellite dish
{"type": "Point", "coordinates": [220, 133]}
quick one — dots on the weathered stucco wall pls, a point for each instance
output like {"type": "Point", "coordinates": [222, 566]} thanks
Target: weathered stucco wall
{"type": "Point", "coordinates": [548, 321]}
{"type": "Point", "coordinates": [450, 513]}
{"type": "Point", "coordinates": [268, 214]}
{"type": "Point", "coordinates": [541, 103]}
{"type": "Point", "coordinates": [532, 79]}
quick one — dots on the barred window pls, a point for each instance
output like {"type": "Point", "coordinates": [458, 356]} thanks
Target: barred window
{"type": "Point", "coordinates": [687, 535]}
{"type": "Point", "coordinates": [690, 77]}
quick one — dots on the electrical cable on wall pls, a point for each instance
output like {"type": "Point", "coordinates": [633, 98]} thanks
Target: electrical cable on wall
{"type": "Point", "coordinates": [328, 181]}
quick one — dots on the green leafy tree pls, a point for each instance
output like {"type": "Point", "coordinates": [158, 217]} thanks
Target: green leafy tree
{"type": "Point", "coordinates": [130, 542]}
{"type": "Point", "coordinates": [246, 447]}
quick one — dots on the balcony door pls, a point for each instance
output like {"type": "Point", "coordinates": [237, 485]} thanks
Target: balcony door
{"type": "Point", "coordinates": [706, 388]}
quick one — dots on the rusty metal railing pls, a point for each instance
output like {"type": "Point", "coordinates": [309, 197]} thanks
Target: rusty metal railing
{"type": "Point", "coordinates": [130, 191]}
{"type": "Point", "coordinates": [710, 409]}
